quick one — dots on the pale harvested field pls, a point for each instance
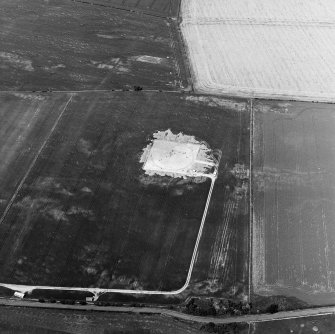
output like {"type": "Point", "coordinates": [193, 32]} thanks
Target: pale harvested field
{"type": "Point", "coordinates": [270, 10]}
{"type": "Point", "coordinates": [262, 49]}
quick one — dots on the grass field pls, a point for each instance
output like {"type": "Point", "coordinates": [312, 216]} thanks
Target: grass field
{"type": "Point", "coordinates": [66, 45]}
{"type": "Point", "coordinates": [293, 237]}
{"type": "Point", "coordinates": [88, 216]}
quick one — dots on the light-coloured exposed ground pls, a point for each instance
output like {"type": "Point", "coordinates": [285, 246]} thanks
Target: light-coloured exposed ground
{"type": "Point", "coordinates": [178, 156]}
{"type": "Point", "coordinates": [262, 49]}
{"type": "Point", "coordinates": [269, 10]}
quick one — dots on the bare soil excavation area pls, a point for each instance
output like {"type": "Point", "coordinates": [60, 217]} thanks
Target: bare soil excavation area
{"type": "Point", "coordinates": [87, 214]}
{"type": "Point", "coordinates": [66, 45]}
{"type": "Point", "coordinates": [293, 187]}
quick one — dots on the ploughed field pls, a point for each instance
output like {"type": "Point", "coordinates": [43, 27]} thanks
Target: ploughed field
{"type": "Point", "coordinates": [67, 45]}
{"type": "Point", "coordinates": [86, 214]}
{"type": "Point", "coordinates": [293, 199]}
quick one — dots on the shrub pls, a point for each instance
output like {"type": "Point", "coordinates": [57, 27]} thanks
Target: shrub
{"type": "Point", "coordinates": [273, 308]}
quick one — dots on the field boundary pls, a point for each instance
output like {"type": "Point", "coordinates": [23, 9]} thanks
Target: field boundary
{"type": "Point", "coordinates": [251, 211]}
{"type": "Point", "coordinates": [181, 60]}
{"type": "Point", "coordinates": [261, 94]}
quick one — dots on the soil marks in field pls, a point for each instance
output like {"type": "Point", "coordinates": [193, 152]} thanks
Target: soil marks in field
{"type": "Point", "coordinates": [89, 216]}
{"type": "Point", "coordinates": [76, 46]}
{"type": "Point", "coordinates": [262, 49]}
{"type": "Point", "coordinates": [294, 182]}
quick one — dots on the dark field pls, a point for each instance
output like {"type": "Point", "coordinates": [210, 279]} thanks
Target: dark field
{"type": "Point", "coordinates": [294, 194]}
{"type": "Point", "coordinates": [66, 45]}
{"type": "Point", "coordinates": [26, 122]}
{"type": "Point", "coordinates": [40, 321]}
{"type": "Point", "coordinates": [165, 8]}
{"type": "Point", "coordinates": [324, 324]}
{"type": "Point", "coordinates": [88, 216]}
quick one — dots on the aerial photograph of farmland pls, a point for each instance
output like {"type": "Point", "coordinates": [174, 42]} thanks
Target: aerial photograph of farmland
{"type": "Point", "coordinates": [167, 166]}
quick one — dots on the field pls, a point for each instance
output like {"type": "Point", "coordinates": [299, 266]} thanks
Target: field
{"type": "Point", "coordinates": [26, 123]}
{"type": "Point", "coordinates": [162, 8]}
{"type": "Point", "coordinates": [293, 188]}
{"type": "Point", "coordinates": [260, 50]}
{"type": "Point", "coordinates": [86, 213]}
{"type": "Point", "coordinates": [269, 11]}
{"type": "Point", "coordinates": [305, 325]}
{"type": "Point", "coordinates": [43, 321]}
{"type": "Point", "coordinates": [222, 267]}
{"type": "Point", "coordinates": [66, 45]}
